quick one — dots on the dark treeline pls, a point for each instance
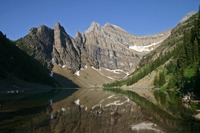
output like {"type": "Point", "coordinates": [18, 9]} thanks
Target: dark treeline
{"type": "Point", "coordinates": [188, 59]}
{"type": "Point", "coordinates": [16, 64]}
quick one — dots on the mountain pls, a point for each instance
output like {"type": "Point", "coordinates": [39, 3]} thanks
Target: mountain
{"type": "Point", "coordinates": [175, 39]}
{"type": "Point", "coordinates": [39, 44]}
{"type": "Point", "coordinates": [173, 66]}
{"type": "Point", "coordinates": [106, 47]}
{"type": "Point", "coordinates": [114, 48]}
{"type": "Point", "coordinates": [16, 66]}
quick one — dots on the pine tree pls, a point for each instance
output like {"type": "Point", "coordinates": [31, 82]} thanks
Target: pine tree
{"type": "Point", "coordinates": [161, 78]}
{"type": "Point", "coordinates": [188, 47]}
{"type": "Point", "coordinates": [198, 26]}
{"type": "Point", "coordinates": [156, 81]}
{"type": "Point", "coordinates": [196, 50]}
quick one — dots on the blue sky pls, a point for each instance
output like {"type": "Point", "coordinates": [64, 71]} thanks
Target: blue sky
{"type": "Point", "coordinates": [139, 17]}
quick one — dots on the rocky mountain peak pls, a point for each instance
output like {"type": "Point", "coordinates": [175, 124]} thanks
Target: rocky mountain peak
{"type": "Point", "coordinates": [57, 24]}
{"type": "Point", "coordinates": [59, 37]}
{"type": "Point", "coordinates": [78, 38]}
{"type": "Point", "coordinates": [113, 27]}
{"type": "Point", "coordinates": [107, 46]}
{"type": "Point", "coordinates": [65, 49]}
{"type": "Point", "coordinates": [58, 27]}
{"type": "Point", "coordinates": [94, 26]}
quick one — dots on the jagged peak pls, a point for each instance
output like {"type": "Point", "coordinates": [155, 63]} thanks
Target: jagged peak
{"type": "Point", "coordinates": [58, 27]}
{"type": "Point", "coordinates": [94, 26]}
{"type": "Point", "coordinates": [41, 28]}
{"type": "Point", "coordinates": [113, 26]}
{"type": "Point", "coordinates": [78, 34]}
{"type": "Point", "coordinates": [57, 24]}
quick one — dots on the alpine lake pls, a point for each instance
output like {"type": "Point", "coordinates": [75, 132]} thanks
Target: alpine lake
{"type": "Point", "coordinates": [93, 110]}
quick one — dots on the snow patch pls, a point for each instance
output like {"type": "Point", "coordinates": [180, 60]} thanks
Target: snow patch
{"type": "Point", "coordinates": [51, 74]}
{"type": "Point", "coordinates": [106, 76]}
{"type": "Point", "coordinates": [145, 126]}
{"type": "Point", "coordinates": [99, 70]}
{"type": "Point", "coordinates": [97, 105]}
{"type": "Point", "coordinates": [146, 48]}
{"type": "Point", "coordinates": [116, 71]}
{"type": "Point", "coordinates": [77, 73]}
{"type": "Point", "coordinates": [110, 78]}
{"type": "Point", "coordinates": [102, 100]}
{"type": "Point", "coordinates": [95, 68]}
{"type": "Point", "coordinates": [64, 66]}
{"type": "Point", "coordinates": [111, 96]}
{"type": "Point", "coordinates": [77, 102]}
{"type": "Point", "coordinates": [63, 109]}
{"type": "Point", "coordinates": [52, 60]}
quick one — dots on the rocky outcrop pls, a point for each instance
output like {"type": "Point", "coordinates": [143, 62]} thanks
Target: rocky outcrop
{"type": "Point", "coordinates": [107, 46]}
{"type": "Point", "coordinates": [65, 51]}
{"type": "Point", "coordinates": [38, 44]}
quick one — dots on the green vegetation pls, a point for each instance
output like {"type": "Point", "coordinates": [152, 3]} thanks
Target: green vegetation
{"type": "Point", "coordinates": [16, 64]}
{"type": "Point", "coordinates": [159, 79]}
{"type": "Point", "coordinates": [181, 63]}
{"type": "Point", "coordinates": [169, 110]}
{"type": "Point", "coordinates": [169, 102]}
{"type": "Point", "coordinates": [188, 60]}
{"type": "Point", "coordinates": [142, 72]}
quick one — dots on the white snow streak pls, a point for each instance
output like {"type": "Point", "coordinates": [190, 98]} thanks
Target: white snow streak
{"type": "Point", "coordinates": [118, 103]}
{"type": "Point", "coordinates": [111, 96]}
{"type": "Point", "coordinates": [146, 48]}
{"type": "Point", "coordinates": [95, 69]}
{"type": "Point", "coordinates": [116, 71]}
{"type": "Point", "coordinates": [146, 126]}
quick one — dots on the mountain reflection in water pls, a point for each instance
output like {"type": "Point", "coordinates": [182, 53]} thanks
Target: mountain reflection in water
{"type": "Point", "coordinates": [83, 110]}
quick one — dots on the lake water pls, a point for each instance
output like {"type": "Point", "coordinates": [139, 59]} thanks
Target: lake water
{"type": "Point", "coordinates": [87, 110]}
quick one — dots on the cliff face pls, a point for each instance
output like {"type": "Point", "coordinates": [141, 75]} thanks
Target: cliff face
{"type": "Point", "coordinates": [65, 50]}
{"type": "Point", "coordinates": [38, 43]}
{"type": "Point", "coordinates": [111, 47]}
{"type": "Point", "coordinates": [106, 46]}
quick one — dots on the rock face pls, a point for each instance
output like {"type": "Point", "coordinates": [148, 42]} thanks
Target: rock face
{"type": "Point", "coordinates": [106, 46]}
{"type": "Point", "coordinates": [65, 51]}
{"type": "Point", "coordinates": [110, 47]}
{"type": "Point", "coordinates": [38, 44]}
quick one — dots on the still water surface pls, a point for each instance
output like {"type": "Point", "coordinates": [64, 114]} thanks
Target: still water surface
{"type": "Point", "coordinates": [85, 110]}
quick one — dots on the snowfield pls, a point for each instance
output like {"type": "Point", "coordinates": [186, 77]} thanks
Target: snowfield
{"type": "Point", "coordinates": [146, 48]}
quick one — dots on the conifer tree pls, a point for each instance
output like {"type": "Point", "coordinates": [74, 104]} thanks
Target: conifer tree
{"type": "Point", "coordinates": [161, 78]}
{"type": "Point", "coordinates": [156, 81]}
{"type": "Point", "coordinates": [195, 50]}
